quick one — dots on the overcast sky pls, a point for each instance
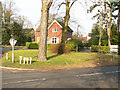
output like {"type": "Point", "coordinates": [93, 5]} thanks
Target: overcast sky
{"type": "Point", "coordinates": [32, 10]}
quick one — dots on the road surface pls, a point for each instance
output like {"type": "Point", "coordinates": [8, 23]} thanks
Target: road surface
{"type": "Point", "coordinates": [100, 77]}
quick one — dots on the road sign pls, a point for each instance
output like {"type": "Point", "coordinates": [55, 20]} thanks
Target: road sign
{"type": "Point", "coordinates": [12, 42]}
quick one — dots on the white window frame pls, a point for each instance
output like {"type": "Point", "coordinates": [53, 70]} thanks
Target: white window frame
{"type": "Point", "coordinates": [57, 40]}
{"type": "Point", "coordinates": [54, 29]}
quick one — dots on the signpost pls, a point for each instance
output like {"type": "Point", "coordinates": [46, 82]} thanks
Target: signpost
{"type": "Point", "coordinates": [12, 42]}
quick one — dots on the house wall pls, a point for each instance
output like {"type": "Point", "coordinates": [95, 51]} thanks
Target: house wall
{"type": "Point", "coordinates": [52, 34]}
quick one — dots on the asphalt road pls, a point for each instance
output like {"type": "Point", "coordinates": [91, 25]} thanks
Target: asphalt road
{"type": "Point", "coordinates": [102, 77]}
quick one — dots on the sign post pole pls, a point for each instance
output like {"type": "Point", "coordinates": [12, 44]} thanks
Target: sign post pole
{"type": "Point", "coordinates": [13, 42]}
{"type": "Point", "coordinates": [13, 54]}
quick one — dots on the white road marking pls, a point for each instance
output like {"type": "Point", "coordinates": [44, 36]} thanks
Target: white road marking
{"type": "Point", "coordinates": [97, 73]}
{"type": "Point", "coordinates": [25, 81]}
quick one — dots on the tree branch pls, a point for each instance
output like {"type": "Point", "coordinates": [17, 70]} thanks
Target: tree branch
{"type": "Point", "coordinates": [73, 3]}
{"type": "Point", "coordinates": [60, 5]}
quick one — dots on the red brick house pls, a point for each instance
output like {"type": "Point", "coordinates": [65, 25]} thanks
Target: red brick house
{"type": "Point", "coordinates": [55, 30]}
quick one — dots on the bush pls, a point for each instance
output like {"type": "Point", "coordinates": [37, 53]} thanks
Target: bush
{"type": "Point", "coordinates": [55, 48]}
{"type": "Point", "coordinates": [32, 45]}
{"type": "Point", "coordinates": [94, 48]}
{"type": "Point", "coordinates": [51, 46]}
{"type": "Point", "coordinates": [71, 45]}
{"type": "Point", "coordinates": [103, 49]}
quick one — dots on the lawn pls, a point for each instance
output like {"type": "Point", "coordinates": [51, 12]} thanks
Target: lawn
{"type": "Point", "coordinates": [63, 61]}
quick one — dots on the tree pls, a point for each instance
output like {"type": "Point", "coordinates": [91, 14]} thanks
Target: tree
{"type": "Point", "coordinates": [8, 12]}
{"type": "Point", "coordinates": [100, 16]}
{"type": "Point", "coordinates": [68, 4]}
{"type": "Point", "coordinates": [94, 40]}
{"type": "Point", "coordinates": [108, 7]}
{"type": "Point", "coordinates": [46, 4]}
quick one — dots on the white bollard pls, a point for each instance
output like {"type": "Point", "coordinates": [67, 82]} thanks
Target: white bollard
{"type": "Point", "coordinates": [6, 56]}
{"type": "Point", "coordinates": [27, 60]}
{"type": "Point", "coordinates": [30, 60]}
{"type": "Point", "coordinates": [24, 60]}
{"type": "Point", "coordinates": [12, 57]}
{"type": "Point", "coordinates": [20, 57]}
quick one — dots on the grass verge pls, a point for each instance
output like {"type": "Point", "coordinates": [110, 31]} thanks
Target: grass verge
{"type": "Point", "coordinates": [63, 61]}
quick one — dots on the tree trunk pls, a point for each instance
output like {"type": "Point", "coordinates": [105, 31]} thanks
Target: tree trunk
{"type": "Point", "coordinates": [42, 56]}
{"type": "Point", "coordinates": [67, 17]}
{"type": "Point", "coordinates": [108, 24]}
{"type": "Point", "coordinates": [101, 28]}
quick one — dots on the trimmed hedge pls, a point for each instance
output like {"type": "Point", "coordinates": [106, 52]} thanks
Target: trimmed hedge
{"type": "Point", "coordinates": [103, 49]}
{"type": "Point", "coordinates": [32, 45]}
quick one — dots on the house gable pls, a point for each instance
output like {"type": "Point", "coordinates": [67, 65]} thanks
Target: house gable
{"type": "Point", "coordinates": [53, 23]}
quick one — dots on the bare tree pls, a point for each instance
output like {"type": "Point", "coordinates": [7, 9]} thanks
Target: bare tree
{"type": "Point", "coordinates": [42, 55]}
{"type": "Point", "coordinates": [108, 5]}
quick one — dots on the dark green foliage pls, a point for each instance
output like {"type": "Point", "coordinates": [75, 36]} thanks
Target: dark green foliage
{"type": "Point", "coordinates": [6, 36]}
{"type": "Point", "coordinates": [32, 45]}
{"type": "Point", "coordinates": [104, 41]}
{"type": "Point", "coordinates": [28, 39]}
{"type": "Point", "coordinates": [18, 34]}
{"type": "Point", "coordinates": [86, 44]}
{"type": "Point", "coordinates": [94, 35]}
{"type": "Point", "coordinates": [104, 49]}
{"type": "Point", "coordinates": [114, 35]}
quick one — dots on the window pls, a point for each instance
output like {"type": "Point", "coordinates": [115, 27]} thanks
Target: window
{"type": "Point", "coordinates": [55, 30]}
{"type": "Point", "coordinates": [54, 40]}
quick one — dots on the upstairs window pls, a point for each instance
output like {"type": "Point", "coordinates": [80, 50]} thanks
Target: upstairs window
{"type": "Point", "coordinates": [55, 30]}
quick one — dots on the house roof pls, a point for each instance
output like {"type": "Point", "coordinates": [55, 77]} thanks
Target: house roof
{"type": "Point", "coordinates": [61, 24]}
{"type": "Point", "coordinates": [53, 23]}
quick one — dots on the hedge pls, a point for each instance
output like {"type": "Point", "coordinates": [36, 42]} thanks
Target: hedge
{"type": "Point", "coordinates": [32, 45]}
{"type": "Point", "coordinates": [103, 49]}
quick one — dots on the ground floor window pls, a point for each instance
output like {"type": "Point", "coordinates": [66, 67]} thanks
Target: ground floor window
{"type": "Point", "coordinates": [54, 40]}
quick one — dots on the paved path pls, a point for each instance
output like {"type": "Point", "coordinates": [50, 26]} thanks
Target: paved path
{"type": "Point", "coordinates": [102, 77]}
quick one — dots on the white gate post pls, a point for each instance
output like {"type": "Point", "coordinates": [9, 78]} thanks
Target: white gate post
{"type": "Point", "coordinates": [6, 56]}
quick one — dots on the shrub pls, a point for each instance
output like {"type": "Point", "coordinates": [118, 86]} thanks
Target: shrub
{"type": "Point", "coordinates": [94, 48]}
{"type": "Point", "coordinates": [28, 44]}
{"type": "Point", "coordinates": [51, 46]}
{"type": "Point", "coordinates": [32, 45]}
{"type": "Point", "coordinates": [55, 48]}
{"type": "Point", "coordinates": [71, 44]}
{"type": "Point", "coordinates": [103, 49]}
